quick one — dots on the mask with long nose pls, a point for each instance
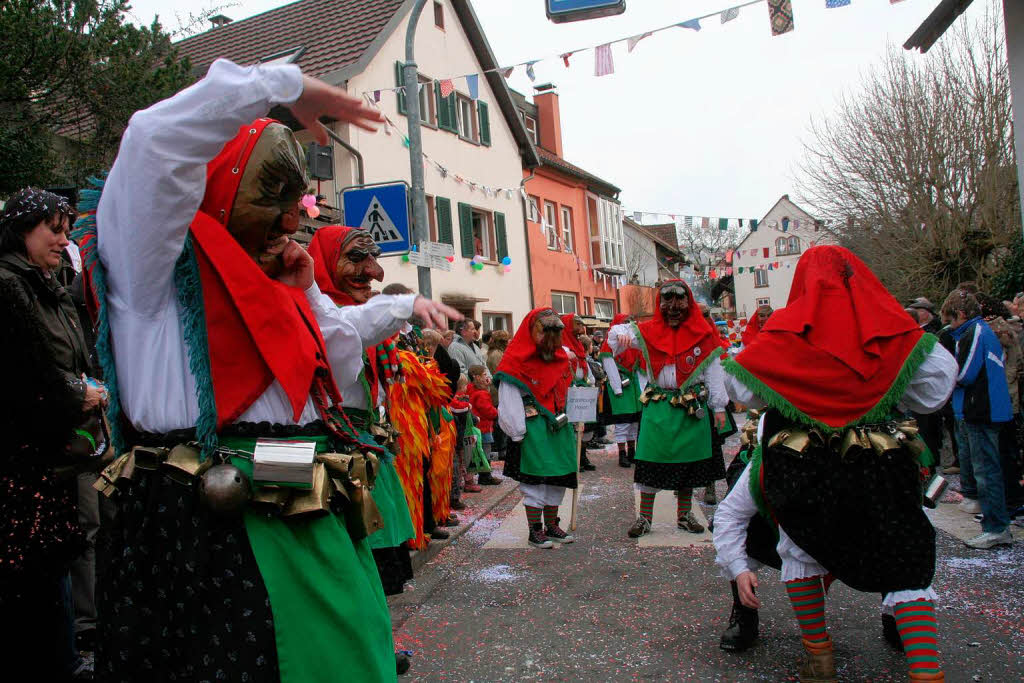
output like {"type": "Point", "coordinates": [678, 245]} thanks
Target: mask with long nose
{"type": "Point", "coordinates": [547, 335]}
{"type": "Point", "coordinates": [675, 304]}
{"type": "Point", "coordinates": [357, 266]}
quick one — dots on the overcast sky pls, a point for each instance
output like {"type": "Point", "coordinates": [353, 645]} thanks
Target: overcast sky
{"type": "Point", "coordinates": [702, 123]}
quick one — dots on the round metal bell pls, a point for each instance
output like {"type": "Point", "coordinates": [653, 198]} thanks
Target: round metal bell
{"type": "Point", "coordinates": [224, 490]}
{"type": "Point", "coordinates": [699, 414]}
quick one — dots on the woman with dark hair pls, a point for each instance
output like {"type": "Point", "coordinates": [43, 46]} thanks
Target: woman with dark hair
{"type": "Point", "coordinates": [46, 359]}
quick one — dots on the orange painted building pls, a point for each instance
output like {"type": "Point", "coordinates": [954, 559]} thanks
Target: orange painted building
{"type": "Point", "coordinates": [574, 227]}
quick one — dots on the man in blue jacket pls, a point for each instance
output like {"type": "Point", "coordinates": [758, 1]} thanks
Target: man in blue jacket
{"type": "Point", "coordinates": [981, 404]}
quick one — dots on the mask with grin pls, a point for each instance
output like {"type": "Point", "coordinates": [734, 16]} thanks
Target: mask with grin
{"type": "Point", "coordinates": [675, 304]}
{"type": "Point", "coordinates": [547, 335]}
{"type": "Point", "coordinates": [266, 208]}
{"type": "Point", "coordinates": [357, 266]}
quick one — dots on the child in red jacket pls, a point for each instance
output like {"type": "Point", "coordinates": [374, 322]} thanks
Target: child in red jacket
{"type": "Point", "coordinates": [483, 408]}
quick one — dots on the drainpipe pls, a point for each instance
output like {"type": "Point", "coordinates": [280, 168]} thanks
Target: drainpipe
{"type": "Point", "coordinates": [412, 107]}
{"type": "Point", "coordinates": [526, 234]}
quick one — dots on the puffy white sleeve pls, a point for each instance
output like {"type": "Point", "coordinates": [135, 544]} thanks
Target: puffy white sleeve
{"type": "Point", "coordinates": [932, 384]}
{"type": "Point", "coordinates": [731, 521]}
{"type": "Point", "coordinates": [612, 370]}
{"type": "Point", "coordinates": [511, 411]}
{"type": "Point", "coordinates": [159, 177]}
{"type": "Point", "coordinates": [376, 320]}
{"type": "Point", "coordinates": [626, 331]}
{"type": "Point", "coordinates": [714, 377]}
{"type": "Point", "coordinates": [739, 392]}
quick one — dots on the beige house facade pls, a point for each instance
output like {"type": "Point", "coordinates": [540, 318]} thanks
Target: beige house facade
{"type": "Point", "coordinates": [764, 262]}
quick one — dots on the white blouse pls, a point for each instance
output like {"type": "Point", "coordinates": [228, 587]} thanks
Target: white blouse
{"type": "Point", "coordinates": [712, 375]}
{"type": "Point", "coordinates": [150, 198]}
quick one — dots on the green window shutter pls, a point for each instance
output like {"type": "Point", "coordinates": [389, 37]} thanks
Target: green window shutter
{"type": "Point", "coordinates": [500, 236]}
{"type": "Point", "coordinates": [399, 81]}
{"type": "Point", "coordinates": [485, 123]}
{"type": "Point", "coordinates": [442, 113]}
{"type": "Point", "coordinates": [466, 229]}
{"type": "Point", "coordinates": [447, 117]}
{"type": "Point", "coordinates": [444, 220]}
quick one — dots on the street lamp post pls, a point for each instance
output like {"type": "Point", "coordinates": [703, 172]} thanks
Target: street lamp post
{"type": "Point", "coordinates": [412, 108]}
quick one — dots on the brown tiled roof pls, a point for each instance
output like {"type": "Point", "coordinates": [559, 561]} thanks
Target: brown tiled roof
{"type": "Point", "coordinates": [551, 159]}
{"type": "Point", "coordinates": [334, 34]}
{"type": "Point", "coordinates": [665, 232]}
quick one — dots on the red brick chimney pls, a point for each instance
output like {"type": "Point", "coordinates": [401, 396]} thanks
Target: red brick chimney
{"type": "Point", "coordinates": [549, 118]}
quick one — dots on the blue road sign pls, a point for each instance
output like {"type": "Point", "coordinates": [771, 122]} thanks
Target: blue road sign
{"type": "Point", "coordinates": [383, 211]}
{"type": "Point", "coordinates": [560, 11]}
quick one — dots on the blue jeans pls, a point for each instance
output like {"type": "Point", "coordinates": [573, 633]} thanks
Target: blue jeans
{"type": "Point", "coordinates": [981, 472]}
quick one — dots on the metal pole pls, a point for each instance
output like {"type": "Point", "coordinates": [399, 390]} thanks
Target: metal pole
{"type": "Point", "coordinates": [412, 107]}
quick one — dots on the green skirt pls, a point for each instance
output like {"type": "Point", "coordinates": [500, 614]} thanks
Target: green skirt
{"type": "Point", "coordinates": [547, 452]}
{"type": "Point", "coordinates": [670, 435]}
{"type": "Point", "coordinates": [628, 402]}
{"type": "Point", "coordinates": [330, 614]}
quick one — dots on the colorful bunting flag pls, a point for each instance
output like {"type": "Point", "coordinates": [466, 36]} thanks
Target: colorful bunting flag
{"type": "Point", "coordinates": [507, 73]}
{"type": "Point", "coordinates": [703, 222]}
{"type": "Point", "coordinates": [565, 58]}
{"type": "Point", "coordinates": [832, 4]}
{"type": "Point", "coordinates": [376, 95]}
{"type": "Point", "coordinates": [603, 62]}
{"type": "Point", "coordinates": [730, 14]}
{"type": "Point", "coordinates": [770, 267]}
{"type": "Point", "coordinates": [529, 70]}
{"type": "Point", "coordinates": [632, 42]}
{"type": "Point", "coordinates": [780, 14]}
{"type": "Point", "coordinates": [447, 87]}
{"type": "Point", "coordinates": [473, 85]}
{"type": "Point", "coordinates": [723, 223]}
{"type": "Point", "coordinates": [692, 24]}
{"type": "Point", "coordinates": [753, 225]}
{"type": "Point", "coordinates": [767, 252]}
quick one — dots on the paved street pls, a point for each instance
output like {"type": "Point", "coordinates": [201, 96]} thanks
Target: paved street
{"type": "Point", "coordinates": [610, 608]}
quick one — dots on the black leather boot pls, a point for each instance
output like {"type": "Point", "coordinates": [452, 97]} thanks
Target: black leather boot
{"type": "Point", "coordinates": [585, 464]}
{"type": "Point", "coordinates": [631, 451]}
{"type": "Point", "coordinates": [743, 623]}
{"type": "Point", "coordinates": [623, 458]}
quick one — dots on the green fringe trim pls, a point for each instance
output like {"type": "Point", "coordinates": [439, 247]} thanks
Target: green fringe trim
{"type": "Point", "coordinates": [695, 375]}
{"type": "Point", "coordinates": [505, 377]}
{"type": "Point", "coordinates": [879, 413]}
{"type": "Point", "coordinates": [193, 322]}
{"type": "Point", "coordinates": [85, 232]}
{"type": "Point", "coordinates": [642, 343]}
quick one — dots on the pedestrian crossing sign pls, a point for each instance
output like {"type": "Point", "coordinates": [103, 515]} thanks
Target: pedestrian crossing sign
{"type": "Point", "coordinates": [383, 211]}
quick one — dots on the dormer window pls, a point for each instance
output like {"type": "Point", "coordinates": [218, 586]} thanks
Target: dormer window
{"type": "Point", "coordinates": [531, 127]}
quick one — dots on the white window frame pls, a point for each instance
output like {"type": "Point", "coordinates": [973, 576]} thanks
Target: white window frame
{"type": "Point", "coordinates": [760, 277]}
{"type": "Point", "coordinates": [489, 252]}
{"type": "Point", "coordinates": [781, 246]}
{"type": "Point", "coordinates": [609, 307]}
{"type": "Point", "coordinates": [793, 245]}
{"type": "Point", "coordinates": [764, 302]}
{"type": "Point", "coordinates": [607, 241]}
{"type": "Point", "coordinates": [467, 120]}
{"type": "Point", "coordinates": [531, 128]}
{"type": "Point", "coordinates": [551, 224]}
{"type": "Point", "coordinates": [560, 301]}
{"type": "Point", "coordinates": [566, 212]}
{"type": "Point", "coordinates": [489, 317]}
{"type": "Point", "coordinates": [428, 113]}
{"type": "Point", "coordinates": [533, 209]}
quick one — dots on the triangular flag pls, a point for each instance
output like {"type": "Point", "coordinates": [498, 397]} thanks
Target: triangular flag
{"type": "Point", "coordinates": [730, 14]}
{"type": "Point", "coordinates": [691, 24]}
{"type": "Point", "coordinates": [447, 87]}
{"type": "Point", "coordinates": [529, 70]}
{"type": "Point", "coordinates": [507, 73]}
{"type": "Point", "coordinates": [565, 58]}
{"type": "Point", "coordinates": [473, 85]}
{"type": "Point", "coordinates": [603, 63]}
{"type": "Point", "coordinates": [832, 4]}
{"type": "Point", "coordinates": [632, 42]}
{"type": "Point", "coordinates": [770, 267]}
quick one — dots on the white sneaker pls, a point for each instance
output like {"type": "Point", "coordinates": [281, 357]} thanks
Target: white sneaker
{"type": "Point", "coordinates": [970, 506]}
{"type": "Point", "coordinates": [990, 540]}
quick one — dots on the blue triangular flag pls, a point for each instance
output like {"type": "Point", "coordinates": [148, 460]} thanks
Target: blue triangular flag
{"type": "Point", "coordinates": [692, 23]}
{"type": "Point", "coordinates": [473, 84]}
{"type": "Point", "coordinates": [529, 70]}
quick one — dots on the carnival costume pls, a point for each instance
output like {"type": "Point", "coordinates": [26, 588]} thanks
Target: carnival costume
{"type": "Point", "coordinates": [582, 376]}
{"type": "Point", "coordinates": [204, 354]}
{"type": "Point", "coordinates": [674, 447]}
{"type": "Point", "coordinates": [627, 381]}
{"type": "Point", "coordinates": [361, 400]}
{"type": "Point", "coordinates": [835, 467]}
{"type": "Point", "coordinates": [532, 393]}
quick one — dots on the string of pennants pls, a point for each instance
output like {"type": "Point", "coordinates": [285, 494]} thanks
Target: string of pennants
{"type": "Point", "coordinates": [689, 222]}
{"type": "Point", "coordinates": [392, 130]}
{"type": "Point", "coordinates": [780, 16]}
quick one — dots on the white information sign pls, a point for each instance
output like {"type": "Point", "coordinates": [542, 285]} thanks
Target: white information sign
{"type": "Point", "coordinates": [581, 406]}
{"type": "Point", "coordinates": [432, 255]}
